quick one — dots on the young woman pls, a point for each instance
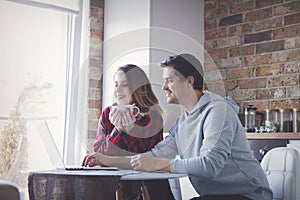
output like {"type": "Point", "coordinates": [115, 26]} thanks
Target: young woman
{"type": "Point", "coordinates": [122, 133]}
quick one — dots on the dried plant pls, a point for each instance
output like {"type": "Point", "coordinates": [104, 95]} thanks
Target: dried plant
{"type": "Point", "coordinates": [13, 149]}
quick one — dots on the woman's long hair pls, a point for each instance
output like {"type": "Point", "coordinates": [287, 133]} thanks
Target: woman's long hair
{"type": "Point", "coordinates": [140, 88]}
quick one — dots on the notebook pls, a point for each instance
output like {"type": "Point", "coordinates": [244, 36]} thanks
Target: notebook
{"type": "Point", "coordinates": [53, 152]}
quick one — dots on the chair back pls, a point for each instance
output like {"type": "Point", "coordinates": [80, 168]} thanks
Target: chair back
{"type": "Point", "coordinates": [282, 168]}
{"type": "Point", "coordinates": [9, 191]}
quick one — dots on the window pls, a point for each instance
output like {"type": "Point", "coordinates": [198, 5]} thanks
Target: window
{"type": "Point", "coordinates": [40, 68]}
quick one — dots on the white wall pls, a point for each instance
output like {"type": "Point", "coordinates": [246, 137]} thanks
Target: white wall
{"type": "Point", "coordinates": [144, 33]}
{"type": "Point", "coordinates": [176, 27]}
{"type": "Point", "coordinates": [126, 39]}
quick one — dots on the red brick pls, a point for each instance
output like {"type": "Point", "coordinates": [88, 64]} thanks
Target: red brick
{"type": "Point", "coordinates": [254, 60]}
{"type": "Point", "coordinates": [241, 7]}
{"type": "Point", "coordinates": [260, 105]}
{"type": "Point", "coordinates": [94, 104]}
{"type": "Point", "coordinates": [277, 93]}
{"type": "Point", "coordinates": [96, 12]}
{"type": "Point", "coordinates": [210, 24]}
{"type": "Point", "coordinates": [96, 23]}
{"type": "Point", "coordinates": [294, 55]}
{"type": "Point", "coordinates": [241, 50]}
{"type": "Point", "coordinates": [291, 43]}
{"type": "Point", "coordinates": [97, 3]}
{"type": "Point", "coordinates": [252, 83]}
{"type": "Point", "coordinates": [98, 33]}
{"type": "Point", "coordinates": [294, 92]}
{"type": "Point", "coordinates": [265, 3]}
{"type": "Point", "coordinates": [209, 4]}
{"type": "Point", "coordinates": [216, 13]}
{"type": "Point", "coordinates": [210, 44]}
{"type": "Point", "coordinates": [94, 93]}
{"type": "Point", "coordinates": [226, 2]}
{"type": "Point", "coordinates": [94, 62]}
{"type": "Point", "coordinates": [231, 20]}
{"type": "Point", "coordinates": [95, 83]}
{"type": "Point", "coordinates": [258, 14]}
{"type": "Point", "coordinates": [282, 81]}
{"type": "Point", "coordinates": [230, 85]}
{"type": "Point", "coordinates": [270, 46]}
{"type": "Point", "coordinates": [242, 95]}
{"type": "Point", "coordinates": [95, 52]}
{"type": "Point", "coordinates": [266, 24]}
{"type": "Point", "coordinates": [218, 53]}
{"type": "Point", "coordinates": [215, 34]}
{"type": "Point", "coordinates": [270, 70]}
{"type": "Point", "coordinates": [94, 114]}
{"type": "Point", "coordinates": [286, 8]}
{"type": "Point", "coordinates": [229, 42]}
{"type": "Point", "coordinates": [231, 63]}
{"type": "Point", "coordinates": [292, 19]}
{"type": "Point", "coordinates": [95, 73]}
{"type": "Point", "coordinates": [240, 29]}
{"type": "Point", "coordinates": [257, 37]}
{"type": "Point", "coordinates": [284, 56]}
{"type": "Point", "coordinates": [284, 104]}
{"type": "Point", "coordinates": [239, 73]}
{"type": "Point", "coordinates": [292, 67]}
{"type": "Point", "coordinates": [291, 31]}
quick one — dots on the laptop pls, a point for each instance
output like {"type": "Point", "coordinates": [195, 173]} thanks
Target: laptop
{"type": "Point", "coordinates": [54, 154]}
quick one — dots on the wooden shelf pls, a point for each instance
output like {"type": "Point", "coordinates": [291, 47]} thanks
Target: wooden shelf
{"type": "Point", "coordinates": [273, 136]}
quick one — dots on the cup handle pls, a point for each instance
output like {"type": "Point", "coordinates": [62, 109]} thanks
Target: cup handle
{"type": "Point", "coordinates": [138, 110]}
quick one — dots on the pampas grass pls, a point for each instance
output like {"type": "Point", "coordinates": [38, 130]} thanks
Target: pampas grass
{"type": "Point", "coordinates": [13, 149]}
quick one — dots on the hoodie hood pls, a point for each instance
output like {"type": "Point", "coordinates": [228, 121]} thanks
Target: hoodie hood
{"type": "Point", "coordinates": [209, 98]}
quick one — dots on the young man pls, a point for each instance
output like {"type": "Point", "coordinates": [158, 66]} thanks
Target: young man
{"type": "Point", "coordinates": [208, 137]}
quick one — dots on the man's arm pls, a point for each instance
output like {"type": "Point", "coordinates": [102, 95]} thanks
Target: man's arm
{"type": "Point", "coordinates": [145, 162]}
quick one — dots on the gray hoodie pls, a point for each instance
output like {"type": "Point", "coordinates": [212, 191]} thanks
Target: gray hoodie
{"type": "Point", "coordinates": [214, 151]}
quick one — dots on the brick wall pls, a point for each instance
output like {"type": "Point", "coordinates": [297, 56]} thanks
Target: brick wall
{"type": "Point", "coordinates": [95, 66]}
{"type": "Point", "coordinates": [253, 51]}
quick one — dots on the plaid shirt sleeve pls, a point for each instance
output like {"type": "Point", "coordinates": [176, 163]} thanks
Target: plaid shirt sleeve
{"type": "Point", "coordinates": [147, 132]}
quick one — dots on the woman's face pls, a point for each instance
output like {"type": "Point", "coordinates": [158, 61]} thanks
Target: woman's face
{"type": "Point", "coordinates": [121, 90]}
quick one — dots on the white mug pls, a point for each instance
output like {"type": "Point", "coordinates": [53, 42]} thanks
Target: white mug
{"type": "Point", "coordinates": [133, 109]}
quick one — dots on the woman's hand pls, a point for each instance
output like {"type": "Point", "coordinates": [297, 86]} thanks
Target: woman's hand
{"type": "Point", "coordinates": [122, 120]}
{"type": "Point", "coordinates": [115, 118]}
{"type": "Point", "coordinates": [92, 160]}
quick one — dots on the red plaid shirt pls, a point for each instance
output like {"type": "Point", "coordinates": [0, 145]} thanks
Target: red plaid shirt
{"type": "Point", "coordinates": [147, 132]}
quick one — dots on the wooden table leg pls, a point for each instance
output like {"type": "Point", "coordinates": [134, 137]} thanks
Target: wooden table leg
{"type": "Point", "coordinates": [145, 192]}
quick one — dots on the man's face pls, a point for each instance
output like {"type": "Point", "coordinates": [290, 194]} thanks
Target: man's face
{"type": "Point", "coordinates": [173, 87]}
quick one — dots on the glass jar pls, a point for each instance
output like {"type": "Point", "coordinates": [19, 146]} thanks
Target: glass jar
{"type": "Point", "coordinates": [286, 120]}
{"type": "Point", "coordinates": [296, 120]}
{"type": "Point", "coordinates": [275, 118]}
{"type": "Point", "coordinates": [250, 118]}
{"type": "Point", "coordinates": [271, 117]}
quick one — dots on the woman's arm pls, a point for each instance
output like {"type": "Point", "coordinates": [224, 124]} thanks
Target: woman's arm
{"type": "Point", "coordinates": [147, 132]}
{"type": "Point", "coordinates": [95, 159]}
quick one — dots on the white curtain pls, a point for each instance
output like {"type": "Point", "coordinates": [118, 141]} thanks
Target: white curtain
{"type": "Point", "coordinates": [69, 6]}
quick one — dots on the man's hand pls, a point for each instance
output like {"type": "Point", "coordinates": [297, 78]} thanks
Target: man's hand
{"type": "Point", "coordinates": [144, 162]}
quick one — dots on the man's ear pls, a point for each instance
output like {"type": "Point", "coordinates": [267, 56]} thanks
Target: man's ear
{"type": "Point", "coordinates": [190, 80]}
